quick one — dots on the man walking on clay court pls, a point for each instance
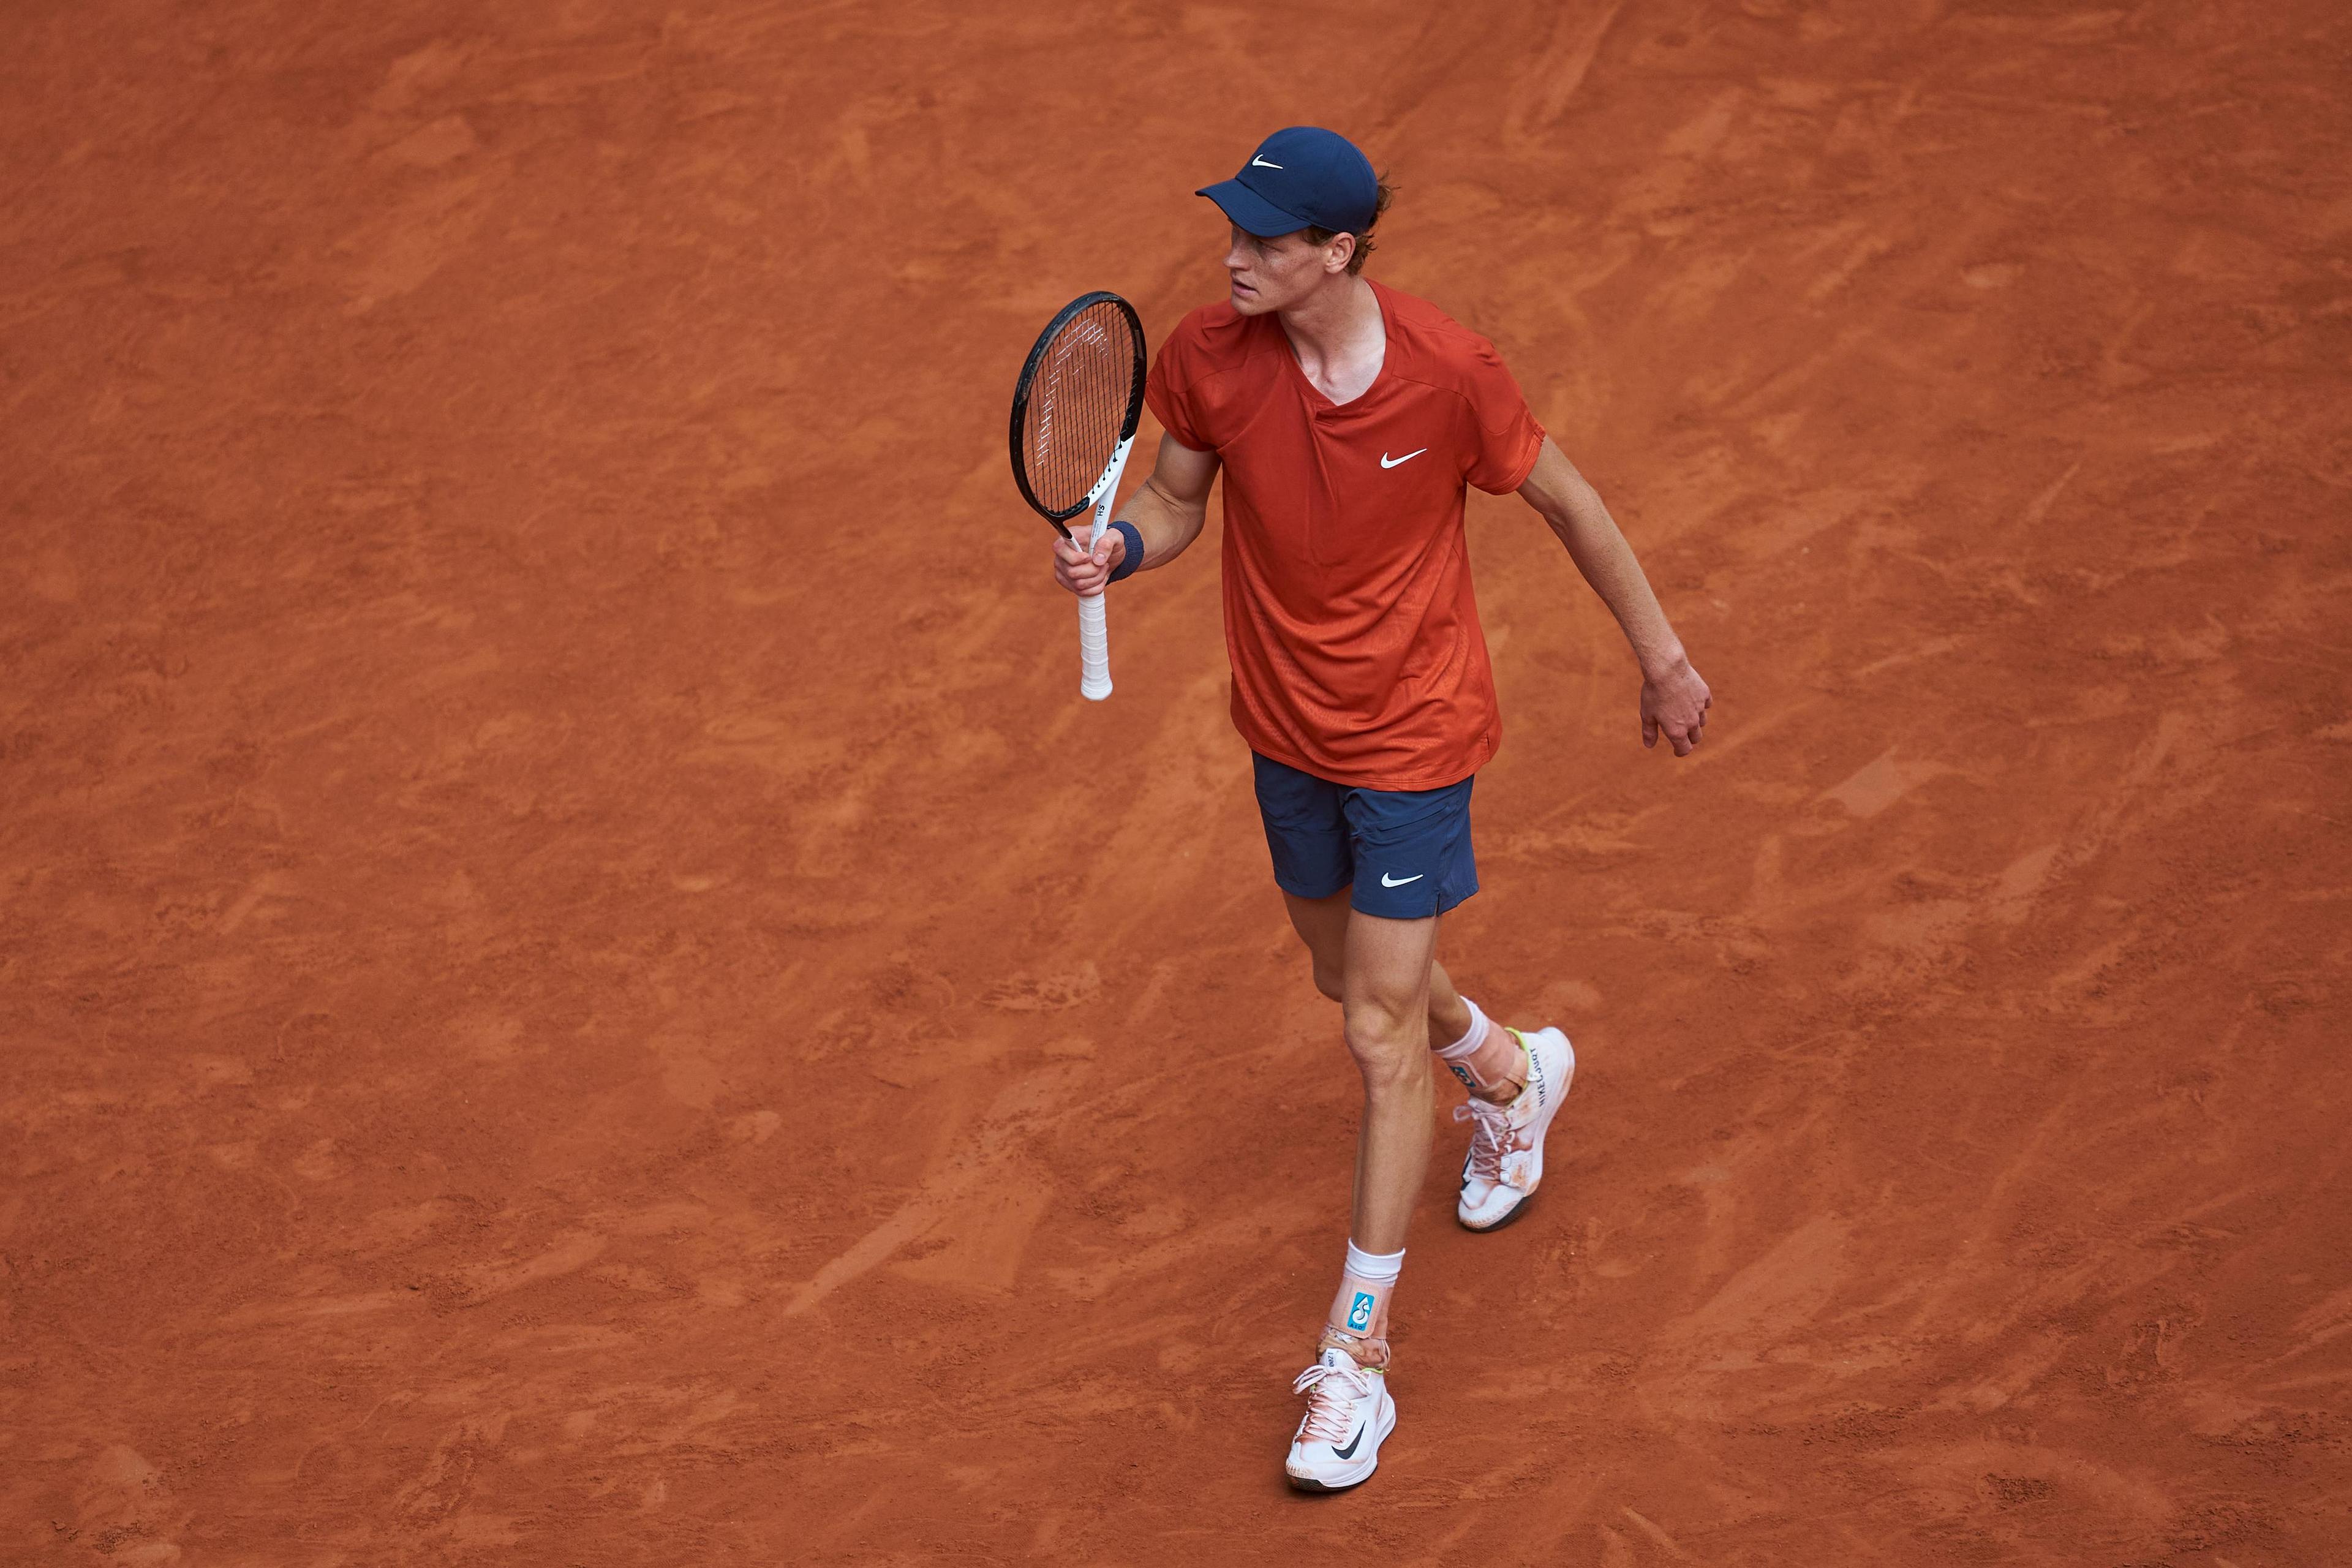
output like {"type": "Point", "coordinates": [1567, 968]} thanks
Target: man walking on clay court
{"type": "Point", "coordinates": [1348, 419]}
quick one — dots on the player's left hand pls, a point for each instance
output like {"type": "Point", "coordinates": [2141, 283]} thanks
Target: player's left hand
{"type": "Point", "coordinates": [1673, 704]}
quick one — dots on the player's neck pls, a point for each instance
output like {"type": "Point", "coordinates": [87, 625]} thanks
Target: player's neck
{"type": "Point", "coordinates": [1337, 322]}
{"type": "Point", "coordinates": [1339, 339]}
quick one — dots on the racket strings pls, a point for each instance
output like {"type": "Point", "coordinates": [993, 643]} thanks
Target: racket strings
{"type": "Point", "coordinates": [1079, 405]}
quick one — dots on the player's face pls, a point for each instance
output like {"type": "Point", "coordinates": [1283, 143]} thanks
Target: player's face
{"type": "Point", "coordinates": [1281, 273]}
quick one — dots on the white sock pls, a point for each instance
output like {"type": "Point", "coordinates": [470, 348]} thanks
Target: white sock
{"type": "Point", "coordinates": [1472, 1038]}
{"type": "Point", "coordinates": [1456, 1056]}
{"type": "Point", "coordinates": [1360, 1310]}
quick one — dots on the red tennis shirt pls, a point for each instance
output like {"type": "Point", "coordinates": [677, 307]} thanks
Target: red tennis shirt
{"type": "Point", "coordinates": [1354, 635]}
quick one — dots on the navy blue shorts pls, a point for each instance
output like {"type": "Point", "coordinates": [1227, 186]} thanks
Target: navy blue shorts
{"type": "Point", "coordinates": [1406, 851]}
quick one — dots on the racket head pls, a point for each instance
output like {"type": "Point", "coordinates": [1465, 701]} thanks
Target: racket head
{"type": "Point", "coordinates": [1079, 397]}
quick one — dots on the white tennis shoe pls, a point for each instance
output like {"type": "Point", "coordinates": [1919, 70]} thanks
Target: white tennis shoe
{"type": "Point", "coordinates": [1505, 1159]}
{"type": "Point", "coordinates": [1348, 1416]}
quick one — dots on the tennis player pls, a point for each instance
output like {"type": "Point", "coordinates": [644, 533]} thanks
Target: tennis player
{"type": "Point", "coordinates": [1348, 419]}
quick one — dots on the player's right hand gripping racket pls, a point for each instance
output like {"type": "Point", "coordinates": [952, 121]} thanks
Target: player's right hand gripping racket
{"type": "Point", "coordinates": [1074, 415]}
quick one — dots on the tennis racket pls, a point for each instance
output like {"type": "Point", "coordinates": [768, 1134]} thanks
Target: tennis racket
{"type": "Point", "coordinates": [1074, 415]}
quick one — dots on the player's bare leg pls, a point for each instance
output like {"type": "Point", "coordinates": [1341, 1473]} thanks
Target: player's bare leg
{"type": "Point", "coordinates": [1386, 1004]}
{"type": "Point", "coordinates": [1385, 999]}
{"type": "Point", "coordinates": [1494, 1067]}
{"type": "Point", "coordinates": [1517, 1096]}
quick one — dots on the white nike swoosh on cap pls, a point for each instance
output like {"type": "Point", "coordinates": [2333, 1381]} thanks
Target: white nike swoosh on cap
{"type": "Point", "coordinates": [1389, 462]}
{"type": "Point", "coordinates": [1257, 162]}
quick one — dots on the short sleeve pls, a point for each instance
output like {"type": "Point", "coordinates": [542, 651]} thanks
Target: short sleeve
{"type": "Point", "coordinates": [1505, 438]}
{"type": "Point", "coordinates": [1168, 389]}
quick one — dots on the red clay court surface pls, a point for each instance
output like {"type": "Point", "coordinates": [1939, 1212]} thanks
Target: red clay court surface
{"type": "Point", "coordinates": [578, 986]}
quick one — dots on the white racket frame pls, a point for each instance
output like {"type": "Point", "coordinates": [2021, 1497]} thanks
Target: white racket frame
{"type": "Point", "coordinates": [1094, 628]}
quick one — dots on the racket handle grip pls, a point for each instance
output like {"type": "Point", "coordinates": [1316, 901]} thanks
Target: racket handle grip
{"type": "Point", "coordinates": [1094, 632]}
{"type": "Point", "coordinates": [1094, 650]}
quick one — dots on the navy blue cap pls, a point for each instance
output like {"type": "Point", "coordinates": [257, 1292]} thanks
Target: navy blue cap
{"type": "Point", "coordinates": [1303, 177]}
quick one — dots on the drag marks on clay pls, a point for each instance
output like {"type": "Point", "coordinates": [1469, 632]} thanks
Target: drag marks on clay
{"type": "Point", "coordinates": [124, 1510]}
{"type": "Point", "coordinates": [1591, 837]}
{"type": "Point", "coordinates": [974, 1195]}
{"type": "Point", "coordinates": [438, 1498]}
{"type": "Point", "coordinates": [1882, 782]}
{"type": "Point", "coordinates": [404, 248]}
{"type": "Point", "coordinates": [567, 1253]}
{"type": "Point", "coordinates": [1046, 994]}
{"type": "Point", "coordinates": [2320, 1324]}
{"type": "Point", "coordinates": [443, 140]}
{"type": "Point", "coordinates": [1542, 93]}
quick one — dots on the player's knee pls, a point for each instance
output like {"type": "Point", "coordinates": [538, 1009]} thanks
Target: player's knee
{"type": "Point", "coordinates": [1390, 1045]}
{"type": "Point", "coordinates": [1331, 979]}
{"type": "Point", "coordinates": [1403, 1071]}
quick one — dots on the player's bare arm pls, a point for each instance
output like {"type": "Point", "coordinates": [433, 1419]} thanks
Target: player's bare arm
{"type": "Point", "coordinates": [1168, 513]}
{"type": "Point", "coordinates": [1674, 700]}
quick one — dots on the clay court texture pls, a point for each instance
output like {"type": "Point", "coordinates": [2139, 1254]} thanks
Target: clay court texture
{"type": "Point", "coordinates": [578, 986]}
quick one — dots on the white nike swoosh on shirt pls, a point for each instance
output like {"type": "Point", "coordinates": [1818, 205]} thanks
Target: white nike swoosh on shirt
{"type": "Point", "coordinates": [1389, 462]}
{"type": "Point", "coordinates": [1388, 881]}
